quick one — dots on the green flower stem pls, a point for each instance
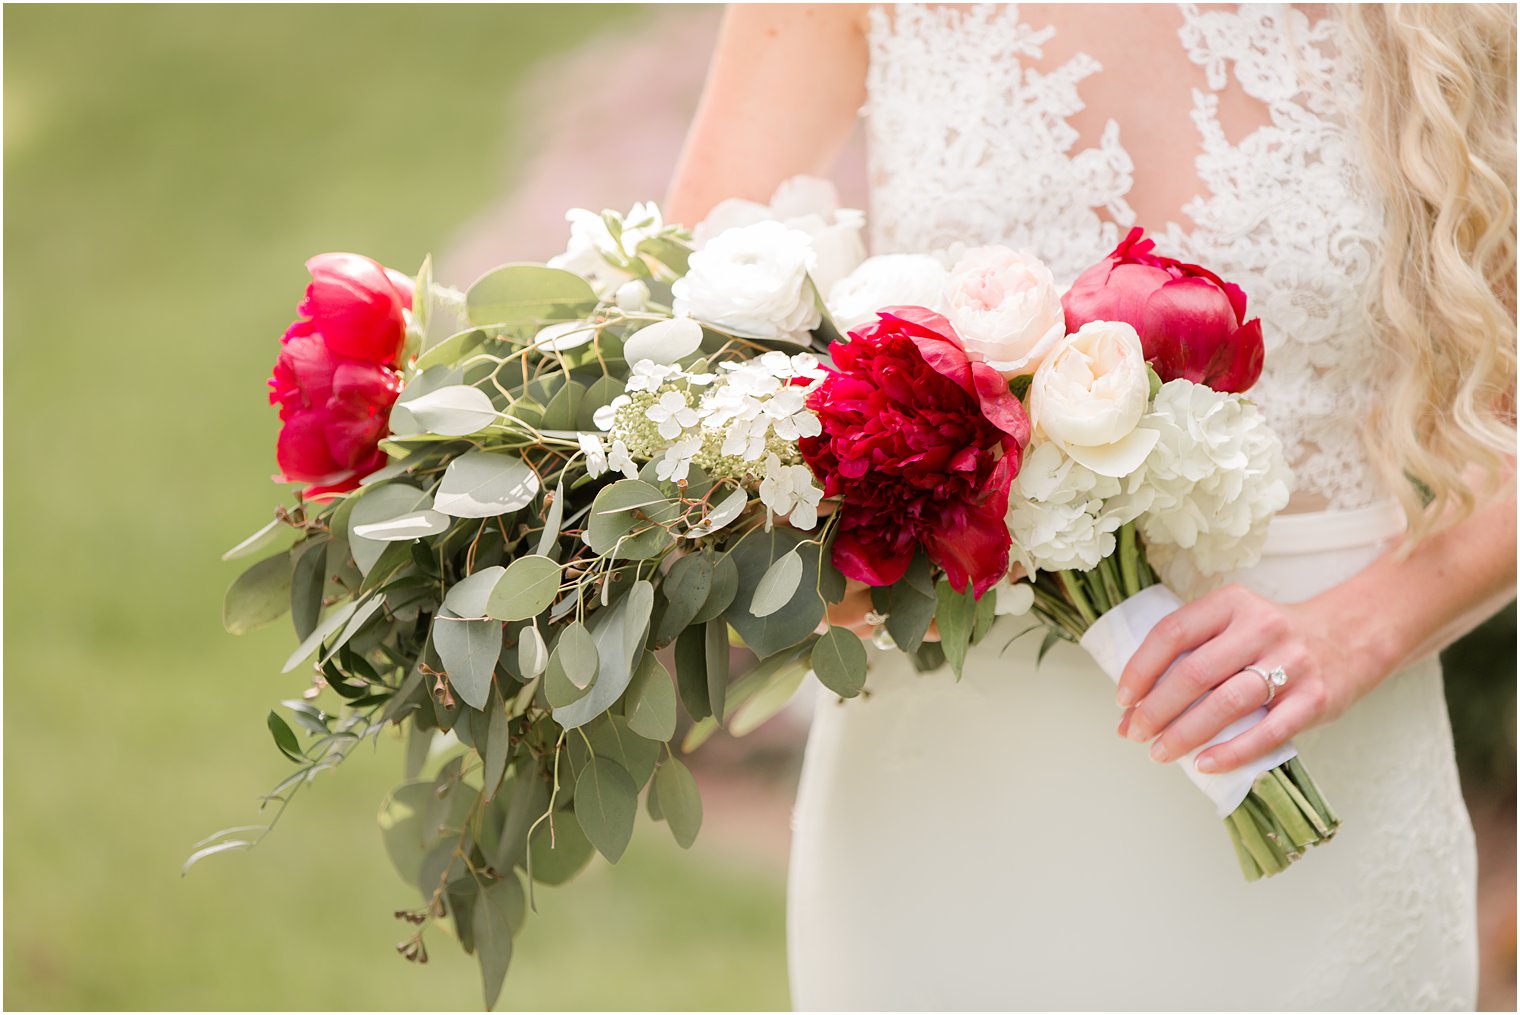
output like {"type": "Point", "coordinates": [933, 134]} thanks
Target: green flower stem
{"type": "Point", "coordinates": [1300, 776]}
{"type": "Point", "coordinates": [1248, 865]}
{"type": "Point", "coordinates": [1129, 571]}
{"type": "Point", "coordinates": [1096, 593]}
{"type": "Point", "coordinates": [1278, 858]}
{"type": "Point", "coordinates": [1254, 843]}
{"type": "Point", "coordinates": [1108, 573]}
{"type": "Point", "coordinates": [1283, 811]}
{"type": "Point", "coordinates": [1305, 808]}
{"type": "Point", "coordinates": [1072, 586]}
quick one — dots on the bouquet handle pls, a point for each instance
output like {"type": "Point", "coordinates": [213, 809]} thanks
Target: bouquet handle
{"type": "Point", "coordinates": [1115, 636]}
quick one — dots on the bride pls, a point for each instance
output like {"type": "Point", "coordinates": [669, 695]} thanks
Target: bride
{"type": "Point", "coordinates": [994, 844]}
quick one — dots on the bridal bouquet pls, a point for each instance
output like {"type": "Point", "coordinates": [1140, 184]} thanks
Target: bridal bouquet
{"type": "Point", "coordinates": [524, 504]}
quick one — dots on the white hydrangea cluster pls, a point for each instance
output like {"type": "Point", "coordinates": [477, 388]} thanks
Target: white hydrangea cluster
{"type": "Point", "coordinates": [1217, 475]}
{"type": "Point", "coordinates": [1063, 515]}
{"type": "Point", "coordinates": [1201, 499]}
{"type": "Point", "coordinates": [742, 422]}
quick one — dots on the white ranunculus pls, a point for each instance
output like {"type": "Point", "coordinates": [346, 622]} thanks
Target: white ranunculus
{"type": "Point", "coordinates": [1217, 476]}
{"type": "Point", "coordinates": [1089, 394]}
{"type": "Point", "coordinates": [887, 280]}
{"type": "Point", "coordinates": [752, 281]}
{"type": "Point", "coordinates": [1063, 516]}
{"type": "Point", "coordinates": [1005, 307]}
{"type": "Point", "coordinates": [805, 203]}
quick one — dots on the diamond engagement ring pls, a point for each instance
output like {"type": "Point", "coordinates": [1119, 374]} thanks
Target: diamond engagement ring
{"type": "Point", "coordinates": [1274, 679]}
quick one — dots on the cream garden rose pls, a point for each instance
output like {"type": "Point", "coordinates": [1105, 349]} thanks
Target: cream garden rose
{"type": "Point", "coordinates": [1005, 307]}
{"type": "Point", "coordinates": [806, 203]}
{"type": "Point", "coordinates": [753, 281]}
{"type": "Point", "coordinates": [1088, 397]}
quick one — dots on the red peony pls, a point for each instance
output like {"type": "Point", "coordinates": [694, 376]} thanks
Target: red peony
{"type": "Point", "coordinates": [336, 379]}
{"type": "Point", "coordinates": [357, 305]}
{"type": "Point", "coordinates": [1191, 322]}
{"type": "Point", "coordinates": [922, 445]}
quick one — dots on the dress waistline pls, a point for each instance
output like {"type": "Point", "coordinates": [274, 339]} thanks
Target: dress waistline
{"type": "Point", "coordinates": [1322, 531]}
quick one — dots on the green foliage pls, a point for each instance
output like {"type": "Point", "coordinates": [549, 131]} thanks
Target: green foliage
{"type": "Point", "coordinates": [839, 659]}
{"type": "Point", "coordinates": [528, 294]}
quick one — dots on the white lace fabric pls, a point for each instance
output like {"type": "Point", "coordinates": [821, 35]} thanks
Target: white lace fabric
{"type": "Point", "coordinates": [970, 143]}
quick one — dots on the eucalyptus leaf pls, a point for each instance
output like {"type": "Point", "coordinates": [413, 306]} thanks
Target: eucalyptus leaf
{"type": "Point", "coordinates": [552, 520]}
{"type": "Point", "coordinates": [629, 520]}
{"type": "Point", "coordinates": [454, 411]}
{"type": "Point", "coordinates": [307, 583]}
{"type": "Point", "coordinates": [412, 525]}
{"type": "Point", "coordinates": [606, 803]}
{"type": "Point", "coordinates": [685, 591]}
{"type": "Point", "coordinates": [715, 649]}
{"type": "Point", "coordinates": [262, 539]}
{"type": "Point", "coordinates": [404, 828]}
{"type": "Point", "coordinates": [795, 619]}
{"type": "Point", "coordinates": [650, 702]}
{"type": "Point", "coordinates": [722, 592]}
{"type": "Point", "coordinates": [483, 484]}
{"type": "Point", "coordinates": [491, 923]}
{"type": "Point", "coordinates": [558, 849]}
{"type": "Point", "coordinates": [453, 349]}
{"type": "Point", "coordinates": [497, 749]}
{"type": "Point", "coordinates": [259, 596]}
{"type": "Point", "coordinates": [620, 631]}
{"type": "Point", "coordinates": [564, 408]}
{"type": "Point", "coordinates": [379, 504]}
{"type": "Point", "coordinates": [468, 596]}
{"type": "Point", "coordinates": [330, 624]}
{"type": "Point", "coordinates": [525, 589]}
{"type": "Point", "coordinates": [608, 736]}
{"type": "Point", "coordinates": [664, 342]}
{"type": "Point", "coordinates": [680, 801]}
{"type": "Point", "coordinates": [839, 660]}
{"type": "Point", "coordinates": [691, 672]}
{"type": "Point", "coordinates": [527, 800]}
{"type": "Point", "coordinates": [777, 585]}
{"type": "Point", "coordinates": [602, 392]}
{"type": "Point", "coordinates": [468, 650]}
{"type": "Point", "coordinates": [909, 615]}
{"type": "Point", "coordinates": [527, 293]}
{"type": "Point", "coordinates": [768, 699]}
{"type": "Point", "coordinates": [726, 510]}
{"type": "Point", "coordinates": [532, 654]}
{"type": "Point", "coordinates": [577, 653]}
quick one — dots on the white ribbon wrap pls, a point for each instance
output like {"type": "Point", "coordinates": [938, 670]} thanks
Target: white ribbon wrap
{"type": "Point", "coordinates": [1113, 639]}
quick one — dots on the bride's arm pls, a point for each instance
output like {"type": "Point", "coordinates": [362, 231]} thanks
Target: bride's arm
{"type": "Point", "coordinates": [785, 85]}
{"type": "Point", "coordinates": [1335, 647]}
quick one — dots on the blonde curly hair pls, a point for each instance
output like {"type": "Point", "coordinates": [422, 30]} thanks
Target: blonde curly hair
{"type": "Point", "coordinates": [1438, 124]}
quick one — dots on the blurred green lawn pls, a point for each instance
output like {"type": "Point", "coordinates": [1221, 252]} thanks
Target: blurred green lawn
{"type": "Point", "coordinates": [167, 172]}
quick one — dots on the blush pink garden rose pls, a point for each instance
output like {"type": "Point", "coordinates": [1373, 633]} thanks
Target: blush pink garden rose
{"type": "Point", "coordinates": [1005, 307]}
{"type": "Point", "coordinates": [1191, 322]}
{"type": "Point", "coordinates": [336, 379]}
{"type": "Point", "coordinates": [922, 443]}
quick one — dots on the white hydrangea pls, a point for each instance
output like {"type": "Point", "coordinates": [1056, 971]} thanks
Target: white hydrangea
{"type": "Point", "coordinates": [1217, 475]}
{"type": "Point", "coordinates": [1063, 516]}
{"type": "Point", "coordinates": [742, 422]}
{"type": "Point", "coordinates": [789, 491]}
{"type": "Point", "coordinates": [753, 281]}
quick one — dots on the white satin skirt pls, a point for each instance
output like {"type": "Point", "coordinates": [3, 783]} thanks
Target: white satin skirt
{"type": "Point", "coordinates": [992, 844]}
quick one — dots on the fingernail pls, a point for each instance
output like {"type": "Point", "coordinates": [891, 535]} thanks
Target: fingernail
{"type": "Point", "coordinates": [1206, 765]}
{"type": "Point", "coordinates": [1125, 698]}
{"type": "Point", "coordinates": [1119, 729]}
{"type": "Point", "coordinates": [1158, 753]}
{"type": "Point", "coordinates": [1134, 732]}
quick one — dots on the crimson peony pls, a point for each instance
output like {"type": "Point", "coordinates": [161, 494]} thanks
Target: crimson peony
{"type": "Point", "coordinates": [1191, 322]}
{"type": "Point", "coordinates": [336, 379]}
{"type": "Point", "coordinates": [922, 444]}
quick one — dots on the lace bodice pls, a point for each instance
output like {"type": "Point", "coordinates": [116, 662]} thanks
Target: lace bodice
{"type": "Point", "coordinates": [970, 142]}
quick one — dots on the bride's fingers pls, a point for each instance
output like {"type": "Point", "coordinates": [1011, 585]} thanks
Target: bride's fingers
{"type": "Point", "coordinates": [1216, 661]}
{"type": "Point", "coordinates": [1177, 633]}
{"type": "Point", "coordinates": [1286, 717]}
{"type": "Point", "coordinates": [1240, 695]}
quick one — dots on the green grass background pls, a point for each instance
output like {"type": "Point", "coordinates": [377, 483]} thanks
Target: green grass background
{"type": "Point", "coordinates": [168, 169]}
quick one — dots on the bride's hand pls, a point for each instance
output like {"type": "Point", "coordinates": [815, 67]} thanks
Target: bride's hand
{"type": "Point", "coordinates": [1226, 631]}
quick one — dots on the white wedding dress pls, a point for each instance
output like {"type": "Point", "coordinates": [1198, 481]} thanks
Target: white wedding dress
{"type": "Point", "coordinates": [993, 844]}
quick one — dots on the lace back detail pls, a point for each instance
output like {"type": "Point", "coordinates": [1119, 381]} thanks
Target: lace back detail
{"type": "Point", "coordinates": [971, 144]}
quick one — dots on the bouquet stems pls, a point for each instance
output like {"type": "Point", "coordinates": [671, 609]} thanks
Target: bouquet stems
{"type": "Point", "coordinates": [1284, 813]}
